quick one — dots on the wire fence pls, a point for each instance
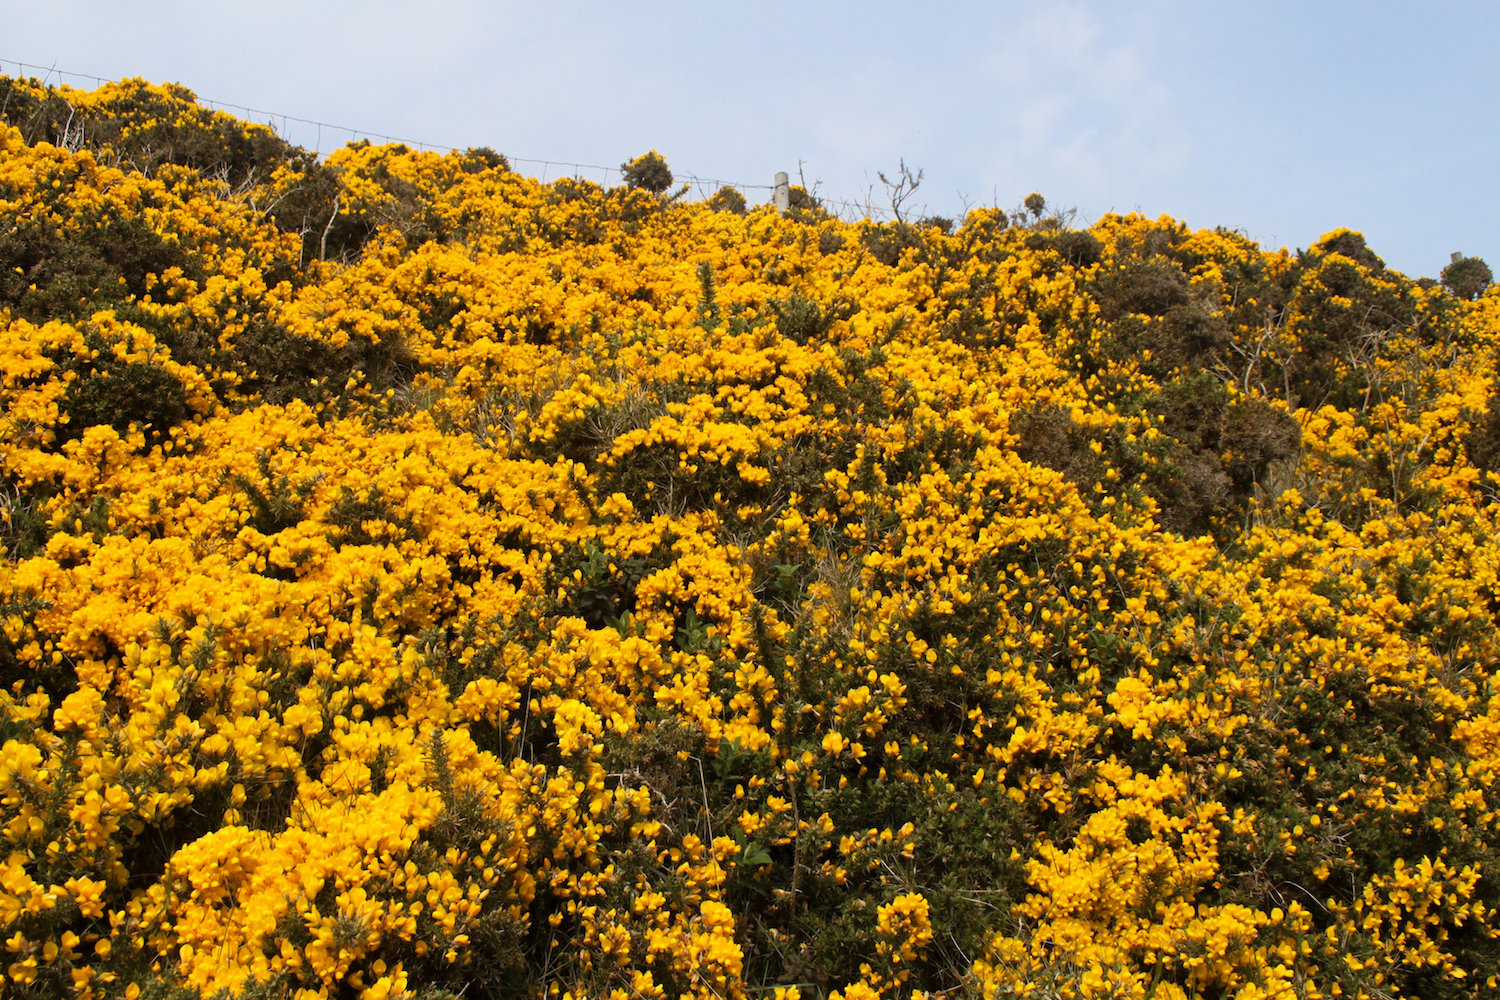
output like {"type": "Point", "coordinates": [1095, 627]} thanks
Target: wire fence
{"type": "Point", "coordinates": [544, 170]}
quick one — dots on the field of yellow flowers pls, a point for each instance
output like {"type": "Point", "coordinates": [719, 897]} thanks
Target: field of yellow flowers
{"type": "Point", "coordinates": [421, 581]}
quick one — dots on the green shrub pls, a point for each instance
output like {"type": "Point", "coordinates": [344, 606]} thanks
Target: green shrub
{"type": "Point", "coordinates": [805, 207]}
{"type": "Point", "coordinates": [887, 242]}
{"type": "Point", "coordinates": [1153, 320]}
{"type": "Point", "coordinates": [1351, 245]}
{"type": "Point", "coordinates": [1483, 439]}
{"type": "Point", "coordinates": [53, 273]}
{"type": "Point", "coordinates": [728, 199]}
{"type": "Point", "coordinates": [477, 159]}
{"type": "Point", "coordinates": [804, 320]}
{"type": "Point", "coordinates": [799, 198]}
{"type": "Point", "coordinates": [1256, 435]}
{"type": "Point", "coordinates": [1467, 277]}
{"type": "Point", "coordinates": [1148, 288]}
{"type": "Point", "coordinates": [125, 393]}
{"type": "Point", "coordinates": [647, 172]}
{"type": "Point", "coordinates": [310, 208]}
{"type": "Point", "coordinates": [1074, 248]}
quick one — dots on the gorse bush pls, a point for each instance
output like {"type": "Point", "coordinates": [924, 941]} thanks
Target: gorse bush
{"type": "Point", "coordinates": [146, 128]}
{"type": "Point", "coordinates": [728, 199]}
{"type": "Point", "coordinates": [420, 581]}
{"type": "Point", "coordinates": [1467, 277]}
{"type": "Point", "coordinates": [648, 172]}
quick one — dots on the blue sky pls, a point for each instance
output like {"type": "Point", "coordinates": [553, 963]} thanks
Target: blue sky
{"type": "Point", "coordinates": [1283, 120]}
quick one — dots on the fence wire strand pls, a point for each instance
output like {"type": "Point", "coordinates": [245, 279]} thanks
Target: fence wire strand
{"type": "Point", "coordinates": [846, 208]}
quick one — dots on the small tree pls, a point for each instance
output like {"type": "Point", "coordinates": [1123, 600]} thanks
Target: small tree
{"type": "Point", "coordinates": [1467, 277]}
{"type": "Point", "coordinates": [647, 172]}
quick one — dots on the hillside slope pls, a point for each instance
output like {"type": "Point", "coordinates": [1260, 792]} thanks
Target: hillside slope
{"type": "Point", "coordinates": [419, 578]}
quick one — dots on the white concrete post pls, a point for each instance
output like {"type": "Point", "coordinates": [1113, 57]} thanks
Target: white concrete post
{"type": "Point", "coordinates": [783, 197]}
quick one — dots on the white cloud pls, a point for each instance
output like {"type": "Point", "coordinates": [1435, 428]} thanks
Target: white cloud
{"type": "Point", "coordinates": [1080, 105]}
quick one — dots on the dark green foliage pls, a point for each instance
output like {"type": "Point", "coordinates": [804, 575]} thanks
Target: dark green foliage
{"type": "Point", "coordinates": [310, 209]}
{"type": "Point", "coordinates": [383, 364]}
{"type": "Point", "coordinates": [123, 394]}
{"type": "Point", "coordinates": [666, 755]}
{"type": "Point", "coordinates": [799, 198]}
{"type": "Point", "coordinates": [829, 241]}
{"type": "Point", "coordinates": [1191, 489]}
{"type": "Point", "coordinates": [728, 199]}
{"type": "Point", "coordinates": [1153, 319]}
{"type": "Point", "coordinates": [1467, 277]}
{"type": "Point", "coordinates": [889, 241]}
{"type": "Point", "coordinates": [56, 679]}
{"type": "Point", "coordinates": [603, 592]}
{"type": "Point", "coordinates": [1483, 440]}
{"type": "Point", "coordinates": [1255, 435]}
{"type": "Point", "coordinates": [50, 274]}
{"type": "Point", "coordinates": [653, 478]}
{"type": "Point", "coordinates": [1346, 730]}
{"type": "Point", "coordinates": [1074, 248]}
{"type": "Point", "coordinates": [1149, 288]}
{"type": "Point", "coordinates": [708, 306]}
{"type": "Point", "coordinates": [1342, 313]}
{"type": "Point", "coordinates": [1046, 435]}
{"type": "Point", "coordinates": [801, 926]}
{"type": "Point", "coordinates": [647, 172]}
{"type": "Point", "coordinates": [1351, 245]}
{"type": "Point", "coordinates": [1220, 447]}
{"type": "Point", "coordinates": [1202, 470]}
{"type": "Point", "coordinates": [805, 207]}
{"type": "Point", "coordinates": [23, 526]}
{"type": "Point", "coordinates": [367, 520]}
{"type": "Point", "coordinates": [278, 366]}
{"type": "Point", "coordinates": [276, 502]}
{"type": "Point", "coordinates": [477, 159]}
{"type": "Point", "coordinates": [803, 320]}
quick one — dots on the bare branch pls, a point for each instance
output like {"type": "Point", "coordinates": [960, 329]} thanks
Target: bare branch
{"type": "Point", "coordinates": [902, 188]}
